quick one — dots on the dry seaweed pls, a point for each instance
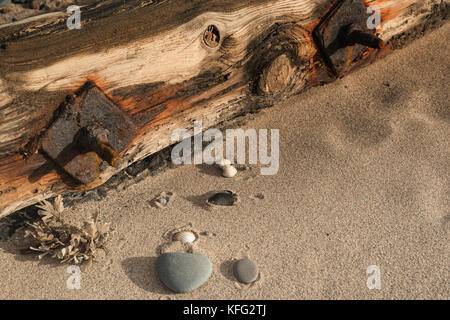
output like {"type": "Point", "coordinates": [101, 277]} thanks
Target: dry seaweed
{"type": "Point", "coordinates": [54, 237]}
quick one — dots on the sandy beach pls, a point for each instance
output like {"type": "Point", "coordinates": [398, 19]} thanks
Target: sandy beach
{"type": "Point", "coordinates": [363, 180]}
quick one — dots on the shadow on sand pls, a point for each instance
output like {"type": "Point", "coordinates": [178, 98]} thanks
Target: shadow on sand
{"type": "Point", "coordinates": [142, 271]}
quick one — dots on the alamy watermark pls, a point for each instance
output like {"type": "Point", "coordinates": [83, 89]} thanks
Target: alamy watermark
{"type": "Point", "coordinates": [374, 21]}
{"type": "Point", "coordinates": [213, 153]}
{"type": "Point", "coordinates": [74, 280]}
{"type": "Point", "coordinates": [374, 280]}
{"type": "Point", "coordinates": [74, 21]}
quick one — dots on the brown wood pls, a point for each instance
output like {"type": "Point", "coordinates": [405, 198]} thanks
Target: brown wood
{"type": "Point", "coordinates": [164, 65]}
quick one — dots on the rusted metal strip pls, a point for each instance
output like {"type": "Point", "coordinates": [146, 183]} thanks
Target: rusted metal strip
{"type": "Point", "coordinates": [344, 39]}
{"type": "Point", "coordinates": [88, 134]}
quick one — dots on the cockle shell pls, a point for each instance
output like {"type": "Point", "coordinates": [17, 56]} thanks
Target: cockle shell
{"type": "Point", "coordinates": [185, 237]}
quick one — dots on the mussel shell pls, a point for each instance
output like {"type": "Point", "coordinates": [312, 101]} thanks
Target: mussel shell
{"type": "Point", "coordinates": [223, 198]}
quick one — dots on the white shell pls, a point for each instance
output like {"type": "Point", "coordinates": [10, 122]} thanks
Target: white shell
{"type": "Point", "coordinates": [229, 171]}
{"type": "Point", "coordinates": [185, 237]}
{"type": "Point", "coordinates": [224, 163]}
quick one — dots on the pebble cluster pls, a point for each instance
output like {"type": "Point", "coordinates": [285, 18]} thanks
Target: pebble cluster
{"type": "Point", "coordinates": [185, 272]}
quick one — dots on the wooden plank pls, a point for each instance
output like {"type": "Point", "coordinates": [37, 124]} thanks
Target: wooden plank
{"type": "Point", "coordinates": [150, 58]}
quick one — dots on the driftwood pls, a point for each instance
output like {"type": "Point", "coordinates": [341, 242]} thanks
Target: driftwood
{"type": "Point", "coordinates": [161, 64]}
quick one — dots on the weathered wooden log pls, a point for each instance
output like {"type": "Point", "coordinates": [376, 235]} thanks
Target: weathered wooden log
{"type": "Point", "coordinates": [157, 65]}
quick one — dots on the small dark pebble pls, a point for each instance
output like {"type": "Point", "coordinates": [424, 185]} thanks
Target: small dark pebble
{"type": "Point", "coordinates": [205, 233]}
{"type": "Point", "coordinates": [70, 98]}
{"type": "Point", "coordinates": [102, 192]}
{"type": "Point", "coordinates": [13, 19]}
{"type": "Point", "coordinates": [245, 271]}
{"type": "Point", "coordinates": [223, 198]}
{"type": "Point", "coordinates": [89, 195]}
{"type": "Point", "coordinates": [115, 180]}
{"type": "Point", "coordinates": [260, 196]}
{"type": "Point", "coordinates": [137, 168]}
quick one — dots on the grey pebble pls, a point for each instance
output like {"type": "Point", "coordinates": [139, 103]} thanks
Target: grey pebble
{"type": "Point", "coordinates": [183, 272]}
{"type": "Point", "coordinates": [245, 271]}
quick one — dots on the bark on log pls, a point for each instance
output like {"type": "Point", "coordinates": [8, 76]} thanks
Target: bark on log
{"type": "Point", "coordinates": [163, 63]}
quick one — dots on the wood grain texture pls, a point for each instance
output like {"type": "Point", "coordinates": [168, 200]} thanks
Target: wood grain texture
{"type": "Point", "coordinates": [150, 59]}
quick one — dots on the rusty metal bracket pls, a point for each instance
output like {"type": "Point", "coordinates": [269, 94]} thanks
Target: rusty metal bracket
{"type": "Point", "coordinates": [88, 134]}
{"type": "Point", "coordinates": [343, 37]}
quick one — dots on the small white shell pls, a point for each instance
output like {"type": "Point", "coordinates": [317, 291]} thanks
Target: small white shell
{"type": "Point", "coordinates": [229, 171]}
{"type": "Point", "coordinates": [224, 163]}
{"type": "Point", "coordinates": [185, 237]}
{"type": "Point", "coordinates": [163, 199]}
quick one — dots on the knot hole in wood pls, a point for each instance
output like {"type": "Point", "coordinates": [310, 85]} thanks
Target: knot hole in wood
{"type": "Point", "coordinates": [211, 36]}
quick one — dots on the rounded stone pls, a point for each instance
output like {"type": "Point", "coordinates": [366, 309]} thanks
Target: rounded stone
{"type": "Point", "coordinates": [183, 272]}
{"type": "Point", "coordinates": [245, 271]}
